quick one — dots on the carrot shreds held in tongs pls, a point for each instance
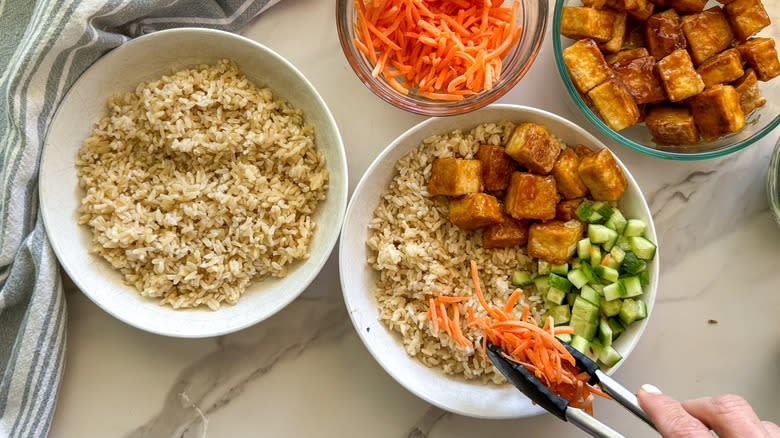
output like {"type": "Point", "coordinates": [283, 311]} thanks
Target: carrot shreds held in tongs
{"type": "Point", "coordinates": [439, 49]}
{"type": "Point", "coordinates": [525, 342]}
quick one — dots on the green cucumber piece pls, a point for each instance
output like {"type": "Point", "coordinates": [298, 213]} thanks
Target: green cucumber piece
{"type": "Point", "coordinates": [577, 278]}
{"type": "Point", "coordinates": [584, 318]}
{"type": "Point", "coordinates": [631, 311]}
{"type": "Point", "coordinates": [616, 222]}
{"type": "Point", "coordinates": [644, 278]}
{"type": "Point", "coordinates": [632, 285]}
{"type": "Point", "coordinates": [610, 243]}
{"type": "Point", "coordinates": [594, 350]}
{"type": "Point", "coordinates": [609, 356]}
{"type": "Point", "coordinates": [604, 210]}
{"type": "Point", "coordinates": [521, 278]}
{"type": "Point", "coordinates": [570, 297]}
{"type": "Point", "coordinates": [607, 274]}
{"type": "Point", "coordinates": [612, 263]}
{"type": "Point", "coordinates": [616, 326]}
{"type": "Point", "coordinates": [617, 254]}
{"type": "Point", "coordinates": [583, 249]}
{"type": "Point", "coordinates": [587, 213]}
{"type": "Point", "coordinates": [576, 263]}
{"type": "Point", "coordinates": [614, 291]}
{"type": "Point", "coordinates": [595, 255]}
{"type": "Point", "coordinates": [610, 308]}
{"type": "Point", "coordinates": [587, 271]}
{"type": "Point", "coordinates": [599, 233]}
{"type": "Point", "coordinates": [579, 343]}
{"type": "Point", "coordinates": [543, 268]}
{"type": "Point", "coordinates": [643, 248]}
{"type": "Point", "coordinates": [560, 269]}
{"type": "Point", "coordinates": [591, 295]}
{"type": "Point", "coordinates": [555, 295]}
{"type": "Point", "coordinates": [633, 264]}
{"type": "Point", "coordinates": [561, 314]}
{"type": "Point", "coordinates": [599, 288]}
{"type": "Point", "coordinates": [564, 337]}
{"type": "Point", "coordinates": [622, 243]}
{"type": "Point", "coordinates": [642, 313]}
{"type": "Point", "coordinates": [542, 284]}
{"type": "Point", "coordinates": [634, 227]}
{"type": "Point", "coordinates": [605, 333]}
{"type": "Point", "coordinates": [560, 283]}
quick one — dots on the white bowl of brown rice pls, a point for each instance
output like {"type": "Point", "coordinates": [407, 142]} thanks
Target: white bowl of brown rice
{"type": "Point", "coordinates": [397, 250]}
{"type": "Point", "coordinates": [193, 182]}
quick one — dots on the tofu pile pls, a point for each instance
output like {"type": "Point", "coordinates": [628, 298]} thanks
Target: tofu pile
{"type": "Point", "coordinates": [527, 192]}
{"type": "Point", "coordinates": [688, 73]}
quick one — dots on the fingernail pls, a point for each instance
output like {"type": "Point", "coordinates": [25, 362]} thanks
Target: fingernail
{"type": "Point", "coordinates": [650, 388]}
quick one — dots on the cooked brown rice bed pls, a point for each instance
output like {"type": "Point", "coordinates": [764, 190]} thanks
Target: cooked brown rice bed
{"type": "Point", "coordinates": [418, 254]}
{"type": "Point", "coordinates": [198, 183]}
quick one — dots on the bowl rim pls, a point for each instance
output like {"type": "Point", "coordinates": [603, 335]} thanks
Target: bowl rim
{"type": "Point", "coordinates": [596, 120]}
{"type": "Point", "coordinates": [329, 239]}
{"type": "Point", "coordinates": [436, 108]}
{"type": "Point", "coordinates": [344, 251]}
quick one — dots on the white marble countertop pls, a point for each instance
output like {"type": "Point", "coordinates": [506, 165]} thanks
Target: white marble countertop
{"type": "Point", "coordinates": [304, 372]}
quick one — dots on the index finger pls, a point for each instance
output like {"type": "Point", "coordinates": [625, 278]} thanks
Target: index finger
{"type": "Point", "coordinates": [728, 415]}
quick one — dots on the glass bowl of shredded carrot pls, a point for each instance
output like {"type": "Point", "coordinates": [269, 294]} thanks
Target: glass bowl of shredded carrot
{"type": "Point", "coordinates": [440, 57]}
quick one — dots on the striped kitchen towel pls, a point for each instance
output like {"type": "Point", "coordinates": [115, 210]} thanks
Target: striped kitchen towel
{"type": "Point", "coordinates": [45, 45]}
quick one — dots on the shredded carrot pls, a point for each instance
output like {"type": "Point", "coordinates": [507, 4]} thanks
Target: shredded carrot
{"type": "Point", "coordinates": [437, 313]}
{"type": "Point", "coordinates": [439, 49]}
{"type": "Point", "coordinates": [525, 342]}
{"type": "Point", "coordinates": [605, 260]}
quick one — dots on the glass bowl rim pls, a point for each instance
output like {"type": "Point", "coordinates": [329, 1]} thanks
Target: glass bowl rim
{"type": "Point", "coordinates": [435, 108]}
{"type": "Point", "coordinates": [596, 120]}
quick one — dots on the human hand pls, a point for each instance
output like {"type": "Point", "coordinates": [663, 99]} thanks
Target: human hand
{"type": "Point", "coordinates": [729, 416]}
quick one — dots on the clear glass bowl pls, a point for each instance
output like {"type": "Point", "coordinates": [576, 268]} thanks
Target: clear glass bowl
{"type": "Point", "coordinates": [773, 183]}
{"type": "Point", "coordinates": [532, 15]}
{"type": "Point", "coordinates": [759, 123]}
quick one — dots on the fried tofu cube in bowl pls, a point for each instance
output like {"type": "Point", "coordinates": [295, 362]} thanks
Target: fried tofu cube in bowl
{"type": "Point", "coordinates": [603, 176]}
{"type": "Point", "coordinates": [663, 33]}
{"type": "Point", "coordinates": [533, 148]}
{"type": "Point", "coordinates": [531, 196]}
{"type": "Point", "coordinates": [511, 232]}
{"type": "Point", "coordinates": [554, 241]}
{"type": "Point", "coordinates": [747, 17]}
{"type": "Point", "coordinates": [567, 177]}
{"type": "Point", "coordinates": [497, 167]}
{"type": "Point", "coordinates": [673, 125]}
{"type": "Point", "coordinates": [586, 64]}
{"type": "Point", "coordinates": [717, 112]}
{"type": "Point", "coordinates": [707, 32]}
{"type": "Point", "coordinates": [584, 22]}
{"type": "Point", "coordinates": [679, 77]}
{"type": "Point", "coordinates": [640, 77]}
{"type": "Point", "coordinates": [722, 68]}
{"type": "Point", "coordinates": [475, 210]}
{"type": "Point", "coordinates": [750, 96]}
{"type": "Point", "coordinates": [760, 54]}
{"type": "Point", "coordinates": [455, 177]}
{"type": "Point", "coordinates": [615, 104]}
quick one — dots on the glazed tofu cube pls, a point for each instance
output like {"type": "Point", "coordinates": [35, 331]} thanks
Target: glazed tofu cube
{"type": "Point", "coordinates": [531, 196]}
{"type": "Point", "coordinates": [747, 17]}
{"type": "Point", "coordinates": [750, 96]}
{"type": "Point", "coordinates": [615, 104]}
{"type": "Point", "coordinates": [455, 177]}
{"type": "Point", "coordinates": [707, 32]}
{"type": "Point", "coordinates": [567, 210]}
{"type": "Point", "coordinates": [567, 180]}
{"type": "Point", "coordinates": [672, 125]}
{"type": "Point", "coordinates": [641, 79]}
{"type": "Point", "coordinates": [475, 210]}
{"type": "Point", "coordinates": [644, 12]}
{"type": "Point", "coordinates": [635, 35]}
{"type": "Point", "coordinates": [626, 5]}
{"type": "Point", "coordinates": [511, 232]}
{"type": "Point", "coordinates": [663, 33]}
{"type": "Point", "coordinates": [497, 167]}
{"type": "Point", "coordinates": [554, 241]}
{"type": "Point", "coordinates": [618, 33]}
{"type": "Point", "coordinates": [626, 55]}
{"type": "Point", "coordinates": [678, 76]}
{"type": "Point", "coordinates": [533, 147]}
{"type": "Point", "coordinates": [687, 6]}
{"type": "Point", "coordinates": [582, 150]}
{"type": "Point", "coordinates": [586, 65]}
{"type": "Point", "coordinates": [602, 175]}
{"type": "Point", "coordinates": [761, 55]}
{"type": "Point", "coordinates": [717, 112]}
{"type": "Point", "coordinates": [578, 22]}
{"type": "Point", "coordinates": [722, 68]}
{"type": "Point", "coordinates": [598, 4]}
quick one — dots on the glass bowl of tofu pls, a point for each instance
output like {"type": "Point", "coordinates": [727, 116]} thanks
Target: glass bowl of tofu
{"type": "Point", "coordinates": [675, 79]}
{"type": "Point", "coordinates": [441, 58]}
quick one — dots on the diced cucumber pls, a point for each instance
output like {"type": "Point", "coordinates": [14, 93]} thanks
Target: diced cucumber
{"type": "Point", "coordinates": [607, 274]}
{"type": "Point", "coordinates": [561, 314]}
{"type": "Point", "coordinates": [595, 255]}
{"type": "Point", "coordinates": [623, 243]}
{"type": "Point", "coordinates": [575, 263]}
{"type": "Point", "coordinates": [584, 318]}
{"type": "Point", "coordinates": [564, 337]}
{"type": "Point", "coordinates": [604, 210]}
{"type": "Point", "coordinates": [605, 333]}
{"type": "Point", "coordinates": [599, 288]}
{"type": "Point", "coordinates": [579, 343]}
{"type": "Point", "coordinates": [543, 268]}
{"type": "Point", "coordinates": [590, 294]}
{"type": "Point", "coordinates": [614, 291]}
{"type": "Point", "coordinates": [587, 213]}
{"type": "Point", "coordinates": [587, 271]}
{"type": "Point", "coordinates": [644, 278]}
{"type": "Point", "coordinates": [609, 356]}
{"type": "Point", "coordinates": [570, 297]}
{"type": "Point", "coordinates": [521, 278]}
{"type": "Point", "coordinates": [583, 249]}
{"type": "Point", "coordinates": [560, 269]}
{"type": "Point", "coordinates": [577, 278]}
{"type": "Point", "coordinates": [633, 286]}
{"type": "Point", "coordinates": [616, 222]}
{"type": "Point", "coordinates": [610, 243]}
{"type": "Point", "coordinates": [612, 263]}
{"type": "Point", "coordinates": [616, 326]}
{"type": "Point", "coordinates": [643, 248]}
{"type": "Point", "coordinates": [633, 264]}
{"type": "Point", "coordinates": [542, 284]}
{"type": "Point", "coordinates": [617, 254]}
{"type": "Point", "coordinates": [610, 308]}
{"type": "Point", "coordinates": [634, 227]}
{"type": "Point", "coordinates": [555, 295]}
{"type": "Point", "coordinates": [560, 283]}
{"type": "Point", "coordinates": [599, 233]}
{"type": "Point", "coordinates": [594, 350]}
{"type": "Point", "coordinates": [631, 311]}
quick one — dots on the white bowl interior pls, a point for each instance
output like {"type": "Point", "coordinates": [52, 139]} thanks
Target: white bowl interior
{"type": "Point", "coordinates": [358, 279]}
{"type": "Point", "coordinates": [148, 58]}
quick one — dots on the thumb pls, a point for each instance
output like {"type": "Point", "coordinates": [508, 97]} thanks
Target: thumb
{"type": "Point", "coordinates": [668, 415]}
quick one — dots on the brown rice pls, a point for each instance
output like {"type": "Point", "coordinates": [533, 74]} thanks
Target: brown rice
{"type": "Point", "coordinates": [198, 183]}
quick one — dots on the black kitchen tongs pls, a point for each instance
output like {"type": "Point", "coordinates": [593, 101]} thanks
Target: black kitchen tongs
{"type": "Point", "coordinates": [532, 387]}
